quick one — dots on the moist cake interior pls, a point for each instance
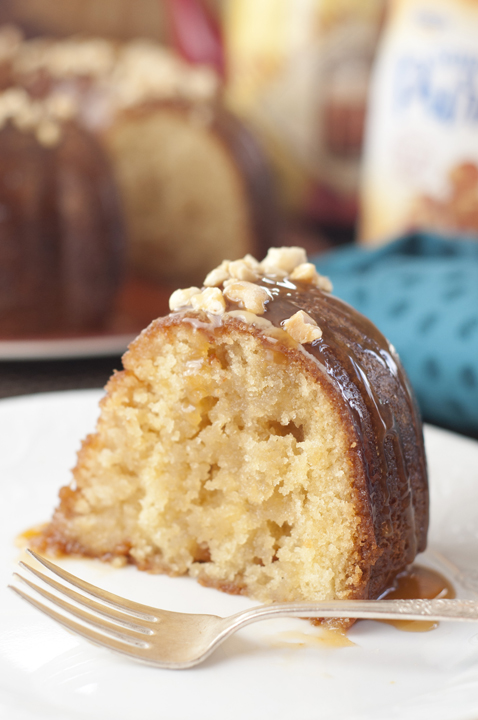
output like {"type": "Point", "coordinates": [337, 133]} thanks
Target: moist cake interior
{"type": "Point", "coordinates": [224, 461]}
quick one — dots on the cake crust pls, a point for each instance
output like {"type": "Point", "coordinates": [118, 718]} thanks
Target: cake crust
{"type": "Point", "coordinates": [62, 237]}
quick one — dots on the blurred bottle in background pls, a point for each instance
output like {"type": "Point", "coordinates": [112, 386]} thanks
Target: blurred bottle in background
{"type": "Point", "coordinates": [421, 155]}
{"type": "Point", "coordinates": [299, 71]}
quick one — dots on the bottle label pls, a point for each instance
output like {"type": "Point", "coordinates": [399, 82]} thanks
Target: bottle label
{"type": "Point", "coordinates": [420, 167]}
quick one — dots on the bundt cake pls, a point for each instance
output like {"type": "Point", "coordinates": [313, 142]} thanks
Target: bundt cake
{"type": "Point", "coordinates": [262, 438]}
{"type": "Point", "coordinates": [192, 179]}
{"type": "Point", "coordinates": [61, 233]}
{"type": "Point", "coordinates": [115, 154]}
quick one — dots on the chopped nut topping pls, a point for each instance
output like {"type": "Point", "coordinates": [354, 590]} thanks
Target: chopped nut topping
{"type": "Point", "coordinates": [62, 106]}
{"type": "Point", "coordinates": [250, 318]}
{"type": "Point", "coordinates": [245, 269]}
{"type": "Point", "coordinates": [217, 276]}
{"type": "Point", "coordinates": [241, 270]}
{"type": "Point", "coordinates": [128, 73]}
{"type": "Point", "coordinates": [250, 296]}
{"type": "Point", "coordinates": [30, 115]}
{"type": "Point", "coordinates": [69, 57]}
{"type": "Point", "coordinates": [48, 133]}
{"type": "Point", "coordinates": [182, 298]}
{"type": "Point", "coordinates": [211, 300]}
{"type": "Point", "coordinates": [199, 83]}
{"type": "Point", "coordinates": [306, 272]}
{"type": "Point", "coordinates": [283, 259]}
{"type": "Point", "coordinates": [252, 262]}
{"type": "Point", "coordinates": [238, 278]}
{"type": "Point", "coordinates": [146, 70]}
{"type": "Point", "coordinates": [13, 101]}
{"type": "Point", "coordinates": [302, 328]}
{"type": "Point", "coordinates": [324, 283]}
{"type": "Point", "coordinates": [28, 118]}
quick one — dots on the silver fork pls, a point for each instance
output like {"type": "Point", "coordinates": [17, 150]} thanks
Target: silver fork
{"type": "Point", "coordinates": [180, 640]}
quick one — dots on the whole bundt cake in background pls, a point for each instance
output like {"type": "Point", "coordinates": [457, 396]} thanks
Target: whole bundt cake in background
{"type": "Point", "coordinates": [262, 438]}
{"type": "Point", "coordinates": [61, 229]}
{"type": "Point", "coordinates": [192, 179]}
{"type": "Point", "coordinates": [145, 151]}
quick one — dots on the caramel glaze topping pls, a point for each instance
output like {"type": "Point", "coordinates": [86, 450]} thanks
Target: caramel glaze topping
{"type": "Point", "coordinates": [364, 369]}
{"type": "Point", "coordinates": [418, 582]}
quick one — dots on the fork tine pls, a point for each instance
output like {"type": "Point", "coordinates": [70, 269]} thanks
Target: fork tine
{"type": "Point", "coordinates": [106, 610]}
{"type": "Point", "coordinates": [124, 647]}
{"type": "Point", "coordinates": [144, 611]}
{"type": "Point", "coordinates": [105, 626]}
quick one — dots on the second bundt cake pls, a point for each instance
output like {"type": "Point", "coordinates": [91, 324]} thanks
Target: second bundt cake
{"type": "Point", "coordinates": [262, 438]}
{"type": "Point", "coordinates": [192, 178]}
{"type": "Point", "coordinates": [61, 228]}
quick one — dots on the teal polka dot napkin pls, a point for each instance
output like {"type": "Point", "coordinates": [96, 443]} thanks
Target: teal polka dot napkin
{"type": "Point", "coordinates": [422, 293]}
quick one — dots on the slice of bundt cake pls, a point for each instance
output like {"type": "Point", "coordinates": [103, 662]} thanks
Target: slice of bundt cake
{"type": "Point", "coordinates": [262, 438]}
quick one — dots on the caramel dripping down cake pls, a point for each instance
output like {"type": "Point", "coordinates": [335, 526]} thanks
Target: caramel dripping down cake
{"type": "Point", "coordinates": [261, 438]}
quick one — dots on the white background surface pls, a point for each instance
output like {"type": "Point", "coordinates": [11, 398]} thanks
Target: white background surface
{"type": "Point", "coordinates": [46, 673]}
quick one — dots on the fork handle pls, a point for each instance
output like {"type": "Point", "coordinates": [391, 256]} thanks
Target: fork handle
{"type": "Point", "coordinates": [436, 610]}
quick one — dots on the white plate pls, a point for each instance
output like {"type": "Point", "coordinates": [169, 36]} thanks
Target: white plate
{"type": "Point", "coordinates": [138, 302]}
{"type": "Point", "coordinates": [48, 673]}
{"type": "Point", "coordinates": [65, 348]}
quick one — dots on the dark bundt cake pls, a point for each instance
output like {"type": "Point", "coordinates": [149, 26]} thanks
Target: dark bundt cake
{"type": "Point", "coordinates": [192, 179]}
{"type": "Point", "coordinates": [262, 437]}
{"type": "Point", "coordinates": [61, 233]}
{"type": "Point", "coordinates": [10, 42]}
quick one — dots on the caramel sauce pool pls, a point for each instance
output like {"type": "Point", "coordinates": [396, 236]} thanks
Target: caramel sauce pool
{"type": "Point", "coordinates": [24, 539]}
{"type": "Point", "coordinates": [418, 582]}
{"type": "Point", "coordinates": [325, 637]}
